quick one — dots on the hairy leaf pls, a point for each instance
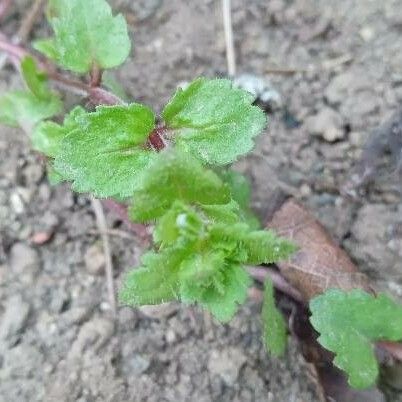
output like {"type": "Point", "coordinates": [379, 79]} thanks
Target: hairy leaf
{"type": "Point", "coordinates": [24, 109]}
{"type": "Point", "coordinates": [239, 186]}
{"type": "Point", "coordinates": [251, 246]}
{"type": "Point", "coordinates": [349, 323]}
{"type": "Point", "coordinates": [223, 213]}
{"type": "Point", "coordinates": [214, 283]}
{"type": "Point", "coordinates": [47, 136]}
{"type": "Point", "coordinates": [86, 34]}
{"type": "Point", "coordinates": [105, 155]}
{"type": "Point", "coordinates": [213, 120]}
{"type": "Point", "coordinates": [156, 281]}
{"type": "Point", "coordinates": [240, 190]}
{"type": "Point", "coordinates": [175, 176]}
{"type": "Point", "coordinates": [180, 225]}
{"type": "Point", "coordinates": [274, 327]}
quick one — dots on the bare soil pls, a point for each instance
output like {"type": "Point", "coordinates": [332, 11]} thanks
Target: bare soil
{"type": "Point", "coordinates": [57, 339]}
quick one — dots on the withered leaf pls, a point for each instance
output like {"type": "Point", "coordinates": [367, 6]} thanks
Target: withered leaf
{"type": "Point", "coordinates": [319, 264]}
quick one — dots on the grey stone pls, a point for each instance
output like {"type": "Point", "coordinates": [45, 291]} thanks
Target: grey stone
{"type": "Point", "coordinates": [14, 319]}
{"type": "Point", "coordinates": [371, 230]}
{"type": "Point", "coordinates": [139, 364]}
{"type": "Point", "coordinates": [260, 88]}
{"type": "Point", "coordinates": [95, 260]}
{"type": "Point", "coordinates": [127, 318]}
{"type": "Point", "coordinates": [76, 315]}
{"type": "Point", "coordinates": [93, 335]}
{"type": "Point", "coordinates": [160, 311]}
{"type": "Point", "coordinates": [344, 84]}
{"type": "Point", "coordinates": [143, 9]}
{"type": "Point", "coordinates": [33, 174]}
{"type": "Point", "coordinates": [24, 260]}
{"type": "Point", "coordinates": [326, 124]}
{"type": "Point", "coordinates": [226, 364]}
{"type": "Point", "coordinates": [16, 203]}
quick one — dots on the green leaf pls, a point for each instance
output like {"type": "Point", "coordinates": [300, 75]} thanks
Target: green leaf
{"type": "Point", "coordinates": [224, 213]}
{"type": "Point", "coordinates": [180, 221]}
{"type": "Point", "coordinates": [241, 192]}
{"type": "Point", "coordinates": [156, 281]}
{"type": "Point", "coordinates": [105, 155]}
{"type": "Point", "coordinates": [23, 109]}
{"type": "Point", "coordinates": [251, 246]}
{"type": "Point", "coordinates": [46, 47]}
{"type": "Point", "coordinates": [47, 136]}
{"type": "Point", "coordinates": [85, 34]}
{"type": "Point", "coordinates": [213, 120]}
{"type": "Point", "coordinates": [349, 323]}
{"type": "Point", "coordinates": [274, 326]}
{"type": "Point", "coordinates": [35, 79]}
{"type": "Point", "coordinates": [175, 176]}
{"type": "Point", "coordinates": [214, 283]}
{"type": "Point", "coordinates": [239, 186]}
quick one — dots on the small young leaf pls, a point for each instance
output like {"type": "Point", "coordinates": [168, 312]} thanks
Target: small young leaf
{"type": "Point", "coordinates": [251, 246]}
{"type": "Point", "coordinates": [274, 327]}
{"type": "Point", "coordinates": [240, 190]}
{"type": "Point", "coordinates": [23, 109]}
{"type": "Point", "coordinates": [180, 221]}
{"type": "Point", "coordinates": [85, 34]}
{"type": "Point", "coordinates": [35, 79]}
{"type": "Point", "coordinates": [213, 120]}
{"type": "Point", "coordinates": [349, 323]}
{"type": "Point", "coordinates": [239, 186]}
{"type": "Point", "coordinates": [223, 213]}
{"type": "Point", "coordinates": [156, 281]}
{"type": "Point", "coordinates": [214, 283]}
{"type": "Point", "coordinates": [105, 154]}
{"type": "Point", "coordinates": [175, 176]}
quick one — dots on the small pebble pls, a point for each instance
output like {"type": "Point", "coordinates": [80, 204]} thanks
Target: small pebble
{"type": "Point", "coordinates": [95, 260]}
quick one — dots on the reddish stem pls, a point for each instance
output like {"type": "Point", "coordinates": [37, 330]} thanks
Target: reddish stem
{"type": "Point", "coordinates": [98, 95]}
{"type": "Point", "coordinates": [156, 138]}
{"type": "Point", "coordinates": [120, 211]}
{"type": "Point", "coordinates": [96, 76]}
{"type": "Point", "coordinates": [11, 48]}
{"type": "Point", "coordinates": [260, 274]}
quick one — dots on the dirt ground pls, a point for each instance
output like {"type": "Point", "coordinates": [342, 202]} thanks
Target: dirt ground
{"type": "Point", "coordinates": [57, 339]}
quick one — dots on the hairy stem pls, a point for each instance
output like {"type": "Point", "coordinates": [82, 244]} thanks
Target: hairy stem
{"type": "Point", "coordinates": [262, 273]}
{"type": "Point", "coordinates": [11, 48]}
{"type": "Point", "coordinates": [97, 94]}
{"type": "Point", "coordinates": [120, 211]}
{"type": "Point", "coordinates": [96, 76]}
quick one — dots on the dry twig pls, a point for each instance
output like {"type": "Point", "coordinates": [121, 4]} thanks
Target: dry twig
{"type": "Point", "coordinates": [102, 226]}
{"type": "Point", "coordinates": [227, 25]}
{"type": "Point", "coordinates": [29, 21]}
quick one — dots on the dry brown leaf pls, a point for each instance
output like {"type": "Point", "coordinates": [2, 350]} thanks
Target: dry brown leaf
{"type": "Point", "coordinates": [320, 263]}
